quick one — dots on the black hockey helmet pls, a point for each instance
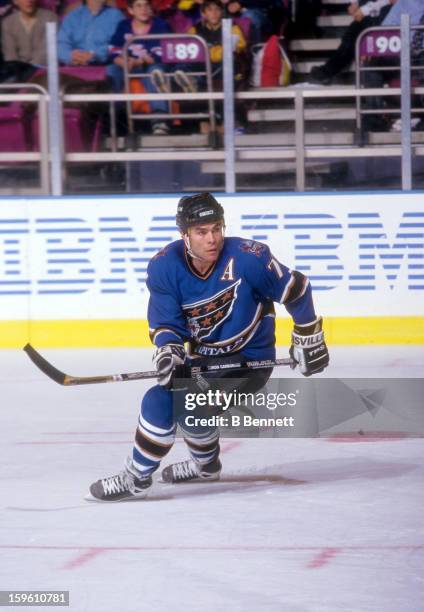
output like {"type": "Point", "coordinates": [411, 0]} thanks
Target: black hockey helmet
{"type": "Point", "coordinates": [196, 209]}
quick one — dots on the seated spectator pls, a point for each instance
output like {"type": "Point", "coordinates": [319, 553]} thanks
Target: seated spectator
{"type": "Point", "coordinates": [6, 7]}
{"type": "Point", "coordinates": [414, 8]}
{"type": "Point", "coordinates": [83, 40]}
{"type": "Point", "coordinates": [85, 33]}
{"type": "Point", "coordinates": [377, 78]}
{"type": "Point", "coordinates": [210, 29]}
{"type": "Point", "coordinates": [24, 38]}
{"type": "Point", "coordinates": [235, 11]}
{"type": "Point", "coordinates": [143, 56]}
{"type": "Point", "coordinates": [365, 15]}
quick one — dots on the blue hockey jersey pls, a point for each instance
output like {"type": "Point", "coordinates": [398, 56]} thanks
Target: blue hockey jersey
{"type": "Point", "coordinates": [228, 309]}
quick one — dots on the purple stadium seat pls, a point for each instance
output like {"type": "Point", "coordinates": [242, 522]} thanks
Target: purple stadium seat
{"type": "Point", "coordinates": [81, 133]}
{"type": "Point", "coordinates": [87, 73]}
{"type": "Point", "coordinates": [13, 129]}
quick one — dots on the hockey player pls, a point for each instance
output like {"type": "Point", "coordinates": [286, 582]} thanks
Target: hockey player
{"type": "Point", "coordinates": [211, 300]}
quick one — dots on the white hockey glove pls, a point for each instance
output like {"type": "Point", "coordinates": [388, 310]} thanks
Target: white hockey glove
{"type": "Point", "coordinates": [308, 349]}
{"type": "Point", "coordinates": [165, 359]}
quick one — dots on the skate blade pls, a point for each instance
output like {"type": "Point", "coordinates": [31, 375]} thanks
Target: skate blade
{"type": "Point", "coordinates": [92, 499]}
{"type": "Point", "coordinates": [213, 478]}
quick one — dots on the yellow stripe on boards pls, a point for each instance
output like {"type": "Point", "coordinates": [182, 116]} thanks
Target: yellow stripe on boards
{"type": "Point", "coordinates": [75, 333]}
{"type": "Point", "coordinates": [363, 330]}
{"type": "Point", "coordinates": [134, 332]}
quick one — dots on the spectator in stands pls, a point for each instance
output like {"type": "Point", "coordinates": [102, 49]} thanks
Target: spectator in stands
{"type": "Point", "coordinates": [377, 78]}
{"type": "Point", "coordinates": [210, 29]}
{"type": "Point", "coordinates": [24, 39]}
{"type": "Point", "coordinates": [414, 8]}
{"type": "Point", "coordinates": [235, 11]}
{"type": "Point", "coordinates": [6, 7]}
{"type": "Point", "coordinates": [143, 56]}
{"type": "Point", "coordinates": [365, 15]}
{"type": "Point", "coordinates": [85, 33]}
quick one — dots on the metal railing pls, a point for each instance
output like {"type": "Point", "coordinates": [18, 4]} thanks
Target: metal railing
{"type": "Point", "coordinates": [181, 42]}
{"type": "Point", "coordinates": [300, 152]}
{"type": "Point", "coordinates": [297, 153]}
{"type": "Point", "coordinates": [381, 43]}
{"type": "Point", "coordinates": [41, 156]}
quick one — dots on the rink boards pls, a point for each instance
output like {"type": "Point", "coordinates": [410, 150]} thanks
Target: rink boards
{"type": "Point", "coordinates": [73, 270]}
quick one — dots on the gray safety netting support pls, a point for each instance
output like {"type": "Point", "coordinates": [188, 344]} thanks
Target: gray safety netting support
{"type": "Point", "coordinates": [55, 112]}
{"type": "Point", "coordinates": [228, 83]}
{"type": "Point", "coordinates": [405, 81]}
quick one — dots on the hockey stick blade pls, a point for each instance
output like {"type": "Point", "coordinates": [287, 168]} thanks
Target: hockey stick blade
{"type": "Point", "coordinates": [43, 365]}
{"type": "Point", "coordinates": [67, 380]}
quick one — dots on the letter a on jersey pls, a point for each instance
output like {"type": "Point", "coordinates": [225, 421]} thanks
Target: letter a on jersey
{"type": "Point", "coordinates": [228, 274]}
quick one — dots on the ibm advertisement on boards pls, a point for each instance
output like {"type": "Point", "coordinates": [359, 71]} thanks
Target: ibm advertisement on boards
{"type": "Point", "coordinates": [78, 258]}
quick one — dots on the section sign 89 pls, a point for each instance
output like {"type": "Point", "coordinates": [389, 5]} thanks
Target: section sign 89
{"type": "Point", "coordinates": [182, 50]}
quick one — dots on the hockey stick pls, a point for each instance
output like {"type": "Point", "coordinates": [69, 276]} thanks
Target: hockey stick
{"type": "Point", "coordinates": [66, 379]}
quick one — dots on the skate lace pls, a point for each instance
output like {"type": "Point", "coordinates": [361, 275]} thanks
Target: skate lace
{"type": "Point", "coordinates": [117, 484]}
{"type": "Point", "coordinates": [185, 470]}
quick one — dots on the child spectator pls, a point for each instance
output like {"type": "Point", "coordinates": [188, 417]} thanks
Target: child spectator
{"type": "Point", "coordinates": [86, 32]}
{"type": "Point", "coordinates": [210, 29]}
{"type": "Point", "coordinates": [143, 56]}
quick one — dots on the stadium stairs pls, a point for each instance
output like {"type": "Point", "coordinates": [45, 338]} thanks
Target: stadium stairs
{"type": "Point", "coordinates": [264, 154]}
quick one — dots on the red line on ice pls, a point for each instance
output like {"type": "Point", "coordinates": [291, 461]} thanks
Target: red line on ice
{"type": "Point", "coordinates": [229, 446]}
{"type": "Point", "coordinates": [83, 558]}
{"type": "Point", "coordinates": [324, 554]}
{"type": "Point", "coordinates": [232, 548]}
{"type": "Point", "coordinates": [323, 558]}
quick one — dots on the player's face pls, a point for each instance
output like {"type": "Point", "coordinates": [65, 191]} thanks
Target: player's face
{"type": "Point", "coordinates": [206, 241]}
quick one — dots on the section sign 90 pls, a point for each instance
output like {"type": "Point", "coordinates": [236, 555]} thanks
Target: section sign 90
{"type": "Point", "coordinates": [381, 43]}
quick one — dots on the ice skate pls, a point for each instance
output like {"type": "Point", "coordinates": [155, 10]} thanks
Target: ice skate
{"type": "Point", "coordinates": [189, 471]}
{"type": "Point", "coordinates": [124, 486]}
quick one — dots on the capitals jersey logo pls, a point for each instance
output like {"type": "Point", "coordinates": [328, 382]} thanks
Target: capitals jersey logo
{"type": "Point", "coordinates": [205, 316]}
{"type": "Point", "coordinates": [251, 246]}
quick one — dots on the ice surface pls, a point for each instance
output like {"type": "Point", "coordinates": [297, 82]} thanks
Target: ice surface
{"type": "Point", "coordinates": [313, 525]}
